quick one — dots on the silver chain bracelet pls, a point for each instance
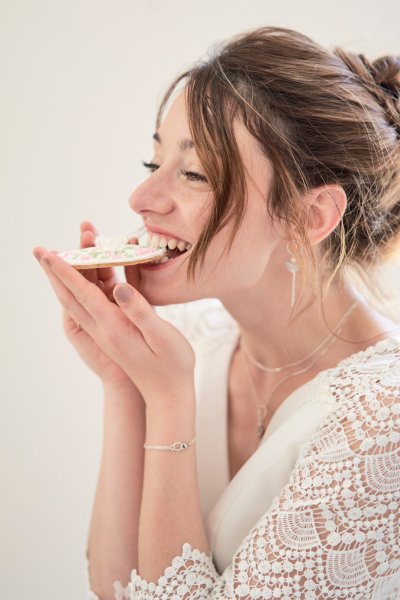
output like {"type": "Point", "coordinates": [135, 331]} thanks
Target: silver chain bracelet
{"type": "Point", "coordinates": [175, 447]}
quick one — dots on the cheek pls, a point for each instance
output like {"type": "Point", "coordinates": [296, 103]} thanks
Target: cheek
{"type": "Point", "coordinates": [242, 266]}
{"type": "Point", "coordinates": [245, 268]}
{"type": "Point", "coordinates": [196, 215]}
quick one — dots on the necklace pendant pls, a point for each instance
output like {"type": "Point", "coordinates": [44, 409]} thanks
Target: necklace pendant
{"type": "Point", "coordinates": [260, 430]}
{"type": "Point", "coordinates": [262, 411]}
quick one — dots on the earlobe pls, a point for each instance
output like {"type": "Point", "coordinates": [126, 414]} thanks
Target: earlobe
{"type": "Point", "coordinates": [326, 208]}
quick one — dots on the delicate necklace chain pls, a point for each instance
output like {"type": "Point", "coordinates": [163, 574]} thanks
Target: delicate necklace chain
{"type": "Point", "coordinates": [298, 362]}
{"type": "Point", "coordinates": [262, 409]}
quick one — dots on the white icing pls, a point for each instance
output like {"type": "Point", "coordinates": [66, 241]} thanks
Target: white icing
{"type": "Point", "coordinates": [106, 243]}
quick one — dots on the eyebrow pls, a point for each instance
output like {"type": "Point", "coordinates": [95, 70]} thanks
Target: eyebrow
{"type": "Point", "coordinates": [183, 145]}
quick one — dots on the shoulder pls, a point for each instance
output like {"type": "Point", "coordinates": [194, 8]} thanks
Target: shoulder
{"type": "Point", "coordinates": [375, 370]}
{"type": "Point", "coordinates": [359, 438]}
{"type": "Point", "coordinates": [202, 322]}
{"type": "Point", "coordinates": [365, 419]}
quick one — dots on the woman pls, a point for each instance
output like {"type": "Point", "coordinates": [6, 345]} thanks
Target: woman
{"type": "Point", "coordinates": [277, 165]}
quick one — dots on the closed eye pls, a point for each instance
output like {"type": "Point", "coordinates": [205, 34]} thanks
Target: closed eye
{"type": "Point", "coordinates": [150, 166]}
{"type": "Point", "coordinates": [190, 175]}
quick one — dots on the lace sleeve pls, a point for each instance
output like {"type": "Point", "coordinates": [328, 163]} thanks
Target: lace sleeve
{"type": "Point", "coordinates": [333, 531]}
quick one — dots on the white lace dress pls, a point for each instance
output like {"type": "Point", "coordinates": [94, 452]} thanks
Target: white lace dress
{"type": "Point", "coordinates": [315, 512]}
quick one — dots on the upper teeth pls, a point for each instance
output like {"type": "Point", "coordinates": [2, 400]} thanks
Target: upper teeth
{"type": "Point", "coordinates": [156, 241]}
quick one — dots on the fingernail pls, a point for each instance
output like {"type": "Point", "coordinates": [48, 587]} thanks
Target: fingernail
{"type": "Point", "coordinates": [123, 293]}
{"type": "Point", "coordinates": [36, 254]}
{"type": "Point", "coordinates": [46, 262]}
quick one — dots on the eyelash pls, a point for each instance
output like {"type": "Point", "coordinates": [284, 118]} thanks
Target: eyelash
{"type": "Point", "coordinates": [191, 175]}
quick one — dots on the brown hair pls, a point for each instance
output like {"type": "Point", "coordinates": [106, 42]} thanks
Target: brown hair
{"type": "Point", "coordinates": [320, 117]}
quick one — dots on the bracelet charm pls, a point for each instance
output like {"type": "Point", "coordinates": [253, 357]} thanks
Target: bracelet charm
{"type": "Point", "coordinates": [175, 447]}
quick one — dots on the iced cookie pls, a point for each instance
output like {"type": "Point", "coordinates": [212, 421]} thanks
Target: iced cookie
{"type": "Point", "coordinates": [111, 252]}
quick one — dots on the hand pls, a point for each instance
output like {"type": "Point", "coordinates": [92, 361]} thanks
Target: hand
{"type": "Point", "coordinates": [151, 351]}
{"type": "Point", "coordinates": [106, 279]}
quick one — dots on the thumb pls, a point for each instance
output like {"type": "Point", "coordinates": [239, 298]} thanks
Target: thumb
{"type": "Point", "coordinates": [132, 272]}
{"type": "Point", "coordinates": [138, 311]}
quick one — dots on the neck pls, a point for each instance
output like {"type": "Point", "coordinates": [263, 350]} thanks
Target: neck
{"type": "Point", "coordinates": [273, 338]}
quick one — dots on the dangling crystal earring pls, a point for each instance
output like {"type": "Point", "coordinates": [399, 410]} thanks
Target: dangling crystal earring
{"type": "Point", "coordinates": [293, 266]}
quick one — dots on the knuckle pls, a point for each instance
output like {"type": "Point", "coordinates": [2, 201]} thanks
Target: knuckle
{"type": "Point", "coordinates": [81, 294]}
{"type": "Point", "coordinates": [142, 315]}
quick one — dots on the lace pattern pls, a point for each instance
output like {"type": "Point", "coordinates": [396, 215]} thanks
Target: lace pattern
{"type": "Point", "coordinates": [334, 530]}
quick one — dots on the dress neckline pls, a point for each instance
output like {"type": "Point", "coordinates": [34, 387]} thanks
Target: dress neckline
{"type": "Point", "coordinates": [393, 340]}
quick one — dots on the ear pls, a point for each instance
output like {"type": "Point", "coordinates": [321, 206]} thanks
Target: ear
{"type": "Point", "coordinates": [326, 205]}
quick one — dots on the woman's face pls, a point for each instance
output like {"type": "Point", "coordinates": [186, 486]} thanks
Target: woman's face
{"type": "Point", "coordinates": [176, 199]}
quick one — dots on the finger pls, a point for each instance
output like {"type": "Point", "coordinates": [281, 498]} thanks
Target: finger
{"type": "Point", "coordinates": [132, 272]}
{"type": "Point", "coordinates": [139, 312]}
{"type": "Point", "coordinates": [38, 252]}
{"type": "Point", "coordinates": [85, 293]}
{"type": "Point", "coordinates": [87, 241]}
{"type": "Point", "coordinates": [87, 237]}
{"type": "Point", "coordinates": [88, 234]}
{"type": "Point", "coordinates": [69, 325]}
{"type": "Point", "coordinates": [132, 275]}
{"type": "Point", "coordinates": [88, 226]}
{"type": "Point", "coordinates": [68, 301]}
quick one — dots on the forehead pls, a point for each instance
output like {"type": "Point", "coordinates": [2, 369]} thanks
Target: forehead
{"type": "Point", "coordinates": [175, 118]}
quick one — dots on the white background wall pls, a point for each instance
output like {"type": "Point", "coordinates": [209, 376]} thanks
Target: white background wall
{"type": "Point", "coordinates": [80, 84]}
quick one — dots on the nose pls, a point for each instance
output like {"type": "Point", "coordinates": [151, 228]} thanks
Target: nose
{"type": "Point", "coordinates": [151, 196]}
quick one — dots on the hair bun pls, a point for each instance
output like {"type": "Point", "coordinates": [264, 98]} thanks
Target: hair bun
{"type": "Point", "coordinates": [386, 73]}
{"type": "Point", "coordinates": [381, 78]}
